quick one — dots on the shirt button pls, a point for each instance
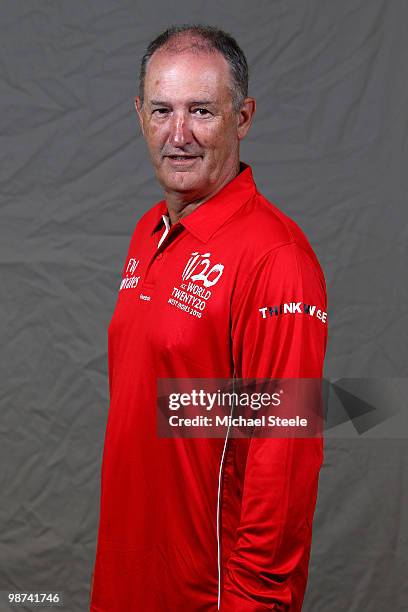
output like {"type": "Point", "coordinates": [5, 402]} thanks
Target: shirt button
{"type": "Point", "coordinates": [159, 256]}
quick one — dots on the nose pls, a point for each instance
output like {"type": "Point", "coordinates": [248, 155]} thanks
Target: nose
{"type": "Point", "coordinates": [180, 130]}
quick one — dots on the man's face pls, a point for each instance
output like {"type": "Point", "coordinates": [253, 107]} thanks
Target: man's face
{"type": "Point", "coordinates": [188, 122]}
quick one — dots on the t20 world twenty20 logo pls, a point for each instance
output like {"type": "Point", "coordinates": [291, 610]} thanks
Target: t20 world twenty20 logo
{"type": "Point", "coordinates": [198, 269]}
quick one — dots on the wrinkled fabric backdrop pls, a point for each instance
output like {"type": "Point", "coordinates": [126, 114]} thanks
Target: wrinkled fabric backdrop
{"type": "Point", "coordinates": [328, 146]}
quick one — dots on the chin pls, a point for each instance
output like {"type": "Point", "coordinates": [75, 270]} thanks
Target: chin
{"type": "Point", "coordinates": [180, 181]}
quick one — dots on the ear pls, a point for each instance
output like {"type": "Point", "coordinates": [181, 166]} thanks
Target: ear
{"type": "Point", "coordinates": [138, 108]}
{"type": "Point", "coordinates": [245, 117]}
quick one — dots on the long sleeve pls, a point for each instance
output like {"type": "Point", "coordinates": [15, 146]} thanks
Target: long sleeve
{"type": "Point", "coordinates": [267, 568]}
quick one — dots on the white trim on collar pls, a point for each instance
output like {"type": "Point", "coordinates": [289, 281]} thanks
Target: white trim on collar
{"type": "Point", "coordinates": [166, 222]}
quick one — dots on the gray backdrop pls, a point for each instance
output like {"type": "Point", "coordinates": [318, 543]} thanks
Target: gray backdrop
{"type": "Point", "coordinates": [328, 145]}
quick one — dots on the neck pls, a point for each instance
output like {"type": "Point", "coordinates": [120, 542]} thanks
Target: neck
{"type": "Point", "coordinates": [180, 205]}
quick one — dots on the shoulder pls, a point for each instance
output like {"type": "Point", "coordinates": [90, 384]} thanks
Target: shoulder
{"type": "Point", "coordinates": [267, 236]}
{"type": "Point", "coordinates": [271, 227]}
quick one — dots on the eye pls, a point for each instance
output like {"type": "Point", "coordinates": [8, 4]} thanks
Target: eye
{"type": "Point", "coordinates": [204, 111]}
{"type": "Point", "coordinates": [160, 111]}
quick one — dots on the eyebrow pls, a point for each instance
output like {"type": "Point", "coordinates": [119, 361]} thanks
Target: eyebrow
{"type": "Point", "coordinates": [190, 102]}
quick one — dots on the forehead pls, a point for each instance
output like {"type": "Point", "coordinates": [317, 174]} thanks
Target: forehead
{"type": "Point", "coordinates": [185, 73]}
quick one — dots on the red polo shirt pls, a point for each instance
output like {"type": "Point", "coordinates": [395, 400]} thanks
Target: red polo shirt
{"type": "Point", "coordinates": [204, 524]}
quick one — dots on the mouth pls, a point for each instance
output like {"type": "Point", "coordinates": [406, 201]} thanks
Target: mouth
{"type": "Point", "coordinates": [182, 158]}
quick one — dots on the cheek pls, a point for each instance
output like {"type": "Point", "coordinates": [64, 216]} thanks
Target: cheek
{"type": "Point", "coordinates": [153, 131]}
{"type": "Point", "coordinates": [210, 138]}
{"type": "Point", "coordinates": [217, 139]}
{"type": "Point", "coordinates": [153, 134]}
{"type": "Point", "coordinates": [154, 139]}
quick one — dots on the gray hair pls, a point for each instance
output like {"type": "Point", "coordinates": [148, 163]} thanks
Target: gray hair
{"type": "Point", "coordinates": [205, 38]}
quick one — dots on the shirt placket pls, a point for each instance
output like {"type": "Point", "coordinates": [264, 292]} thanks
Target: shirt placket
{"type": "Point", "coordinates": [157, 264]}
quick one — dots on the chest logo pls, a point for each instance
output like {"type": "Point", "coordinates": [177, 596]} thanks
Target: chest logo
{"type": "Point", "coordinates": [193, 293]}
{"type": "Point", "coordinates": [201, 263]}
{"type": "Point", "coordinates": [130, 281]}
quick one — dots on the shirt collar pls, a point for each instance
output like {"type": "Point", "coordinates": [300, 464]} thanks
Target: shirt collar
{"type": "Point", "coordinates": [208, 217]}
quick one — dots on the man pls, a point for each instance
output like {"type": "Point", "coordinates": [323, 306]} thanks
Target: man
{"type": "Point", "coordinates": [205, 524]}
